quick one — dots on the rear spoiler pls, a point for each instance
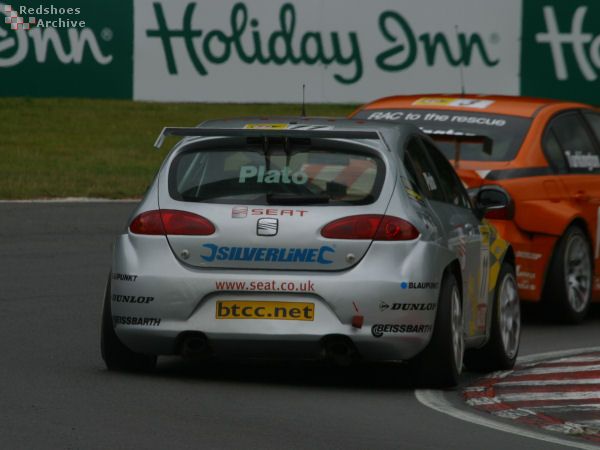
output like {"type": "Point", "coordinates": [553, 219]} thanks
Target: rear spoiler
{"type": "Point", "coordinates": [266, 133]}
{"type": "Point", "coordinates": [485, 141]}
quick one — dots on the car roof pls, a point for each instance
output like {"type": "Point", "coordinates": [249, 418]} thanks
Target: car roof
{"type": "Point", "coordinates": [316, 127]}
{"type": "Point", "coordinates": [333, 123]}
{"type": "Point", "coordinates": [501, 104]}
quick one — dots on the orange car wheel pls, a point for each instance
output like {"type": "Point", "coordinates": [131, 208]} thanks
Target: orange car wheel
{"type": "Point", "coordinates": [568, 289]}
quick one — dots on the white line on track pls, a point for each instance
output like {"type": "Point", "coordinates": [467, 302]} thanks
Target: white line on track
{"type": "Point", "coordinates": [560, 369]}
{"type": "Point", "coordinates": [572, 359]}
{"type": "Point", "coordinates": [593, 423]}
{"type": "Point", "coordinates": [506, 398]}
{"type": "Point", "coordinates": [555, 355]}
{"type": "Point", "coordinates": [586, 407]}
{"type": "Point", "coordinates": [435, 399]}
{"type": "Point", "coordinates": [547, 382]}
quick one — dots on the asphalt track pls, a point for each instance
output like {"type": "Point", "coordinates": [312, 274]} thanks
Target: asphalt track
{"type": "Point", "coordinates": [56, 394]}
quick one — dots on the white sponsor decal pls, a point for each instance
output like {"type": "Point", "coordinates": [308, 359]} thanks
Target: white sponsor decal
{"type": "Point", "coordinates": [423, 115]}
{"type": "Point", "coordinates": [522, 274]}
{"type": "Point", "coordinates": [260, 174]}
{"type": "Point", "coordinates": [525, 280]}
{"type": "Point", "coordinates": [430, 180]}
{"type": "Point", "coordinates": [579, 161]}
{"type": "Point", "coordinates": [529, 255]}
{"type": "Point", "coordinates": [526, 286]}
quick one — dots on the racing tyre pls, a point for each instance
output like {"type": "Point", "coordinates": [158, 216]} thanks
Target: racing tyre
{"type": "Point", "coordinates": [115, 354]}
{"type": "Point", "coordinates": [440, 364]}
{"type": "Point", "coordinates": [500, 352]}
{"type": "Point", "coordinates": [568, 289]}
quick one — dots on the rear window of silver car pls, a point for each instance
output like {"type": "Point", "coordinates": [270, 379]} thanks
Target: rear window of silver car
{"type": "Point", "coordinates": [294, 175]}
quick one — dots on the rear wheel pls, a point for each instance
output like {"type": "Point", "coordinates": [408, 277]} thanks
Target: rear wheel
{"type": "Point", "coordinates": [440, 364]}
{"type": "Point", "coordinates": [115, 354]}
{"type": "Point", "coordinates": [568, 289]}
{"type": "Point", "coordinates": [500, 352]}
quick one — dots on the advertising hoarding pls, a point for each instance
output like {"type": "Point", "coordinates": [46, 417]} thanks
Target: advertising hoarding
{"type": "Point", "coordinates": [70, 49]}
{"type": "Point", "coordinates": [343, 51]}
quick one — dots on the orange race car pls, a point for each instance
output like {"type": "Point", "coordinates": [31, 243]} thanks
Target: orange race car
{"type": "Point", "coordinates": [544, 154]}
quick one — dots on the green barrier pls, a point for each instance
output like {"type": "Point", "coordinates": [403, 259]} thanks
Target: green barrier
{"type": "Point", "coordinates": [560, 55]}
{"type": "Point", "coordinates": [73, 49]}
{"type": "Point", "coordinates": [86, 49]}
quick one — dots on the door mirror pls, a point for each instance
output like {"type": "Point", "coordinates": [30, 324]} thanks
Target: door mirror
{"type": "Point", "coordinates": [493, 202]}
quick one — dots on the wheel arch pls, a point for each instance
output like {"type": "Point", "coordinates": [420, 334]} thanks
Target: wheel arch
{"type": "Point", "coordinates": [581, 223]}
{"type": "Point", "coordinates": [509, 256]}
{"type": "Point", "coordinates": [556, 217]}
{"type": "Point", "coordinates": [454, 268]}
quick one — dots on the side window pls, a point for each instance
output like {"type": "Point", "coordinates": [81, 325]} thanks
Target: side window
{"type": "Point", "coordinates": [424, 171]}
{"type": "Point", "coordinates": [553, 152]}
{"type": "Point", "coordinates": [411, 182]}
{"type": "Point", "coordinates": [593, 119]}
{"type": "Point", "coordinates": [577, 146]}
{"type": "Point", "coordinates": [456, 193]}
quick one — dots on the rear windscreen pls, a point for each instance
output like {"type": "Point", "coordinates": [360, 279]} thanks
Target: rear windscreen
{"type": "Point", "coordinates": [254, 175]}
{"type": "Point", "coordinates": [506, 132]}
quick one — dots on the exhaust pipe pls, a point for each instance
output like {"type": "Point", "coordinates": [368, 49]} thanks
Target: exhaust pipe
{"type": "Point", "coordinates": [339, 349]}
{"type": "Point", "coordinates": [195, 346]}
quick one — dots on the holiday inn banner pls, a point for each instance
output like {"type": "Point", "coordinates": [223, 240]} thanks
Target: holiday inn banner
{"type": "Point", "coordinates": [343, 51]}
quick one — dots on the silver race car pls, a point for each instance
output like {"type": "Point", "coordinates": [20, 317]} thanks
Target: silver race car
{"type": "Point", "coordinates": [312, 238]}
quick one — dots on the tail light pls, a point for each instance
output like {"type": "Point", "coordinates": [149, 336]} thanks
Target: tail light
{"type": "Point", "coordinates": [162, 222]}
{"type": "Point", "coordinates": [148, 223]}
{"type": "Point", "coordinates": [370, 226]}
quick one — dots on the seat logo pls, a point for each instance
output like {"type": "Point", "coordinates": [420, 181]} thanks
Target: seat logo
{"type": "Point", "coordinates": [267, 226]}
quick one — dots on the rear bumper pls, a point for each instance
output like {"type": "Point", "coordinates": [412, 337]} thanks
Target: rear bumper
{"type": "Point", "coordinates": [155, 300]}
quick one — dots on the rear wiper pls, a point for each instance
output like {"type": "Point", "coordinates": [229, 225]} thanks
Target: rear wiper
{"type": "Point", "coordinates": [296, 199]}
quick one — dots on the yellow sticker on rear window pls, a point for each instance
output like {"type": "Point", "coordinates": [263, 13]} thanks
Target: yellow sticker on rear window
{"type": "Point", "coordinates": [266, 126]}
{"type": "Point", "coordinates": [265, 310]}
{"type": "Point", "coordinates": [454, 102]}
{"type": "Point", "coordinates": [433, 101]}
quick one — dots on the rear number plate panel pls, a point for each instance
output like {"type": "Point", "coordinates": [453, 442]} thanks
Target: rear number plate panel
{"type": "Point", "coordinates": [234, 309]}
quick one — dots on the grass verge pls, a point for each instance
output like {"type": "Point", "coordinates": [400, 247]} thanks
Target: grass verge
{"type": "Point", "coordinates": [101, 148]}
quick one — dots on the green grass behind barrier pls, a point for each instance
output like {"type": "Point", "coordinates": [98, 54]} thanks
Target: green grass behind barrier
{"type": "Point", "coordinates": [101, 148]}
